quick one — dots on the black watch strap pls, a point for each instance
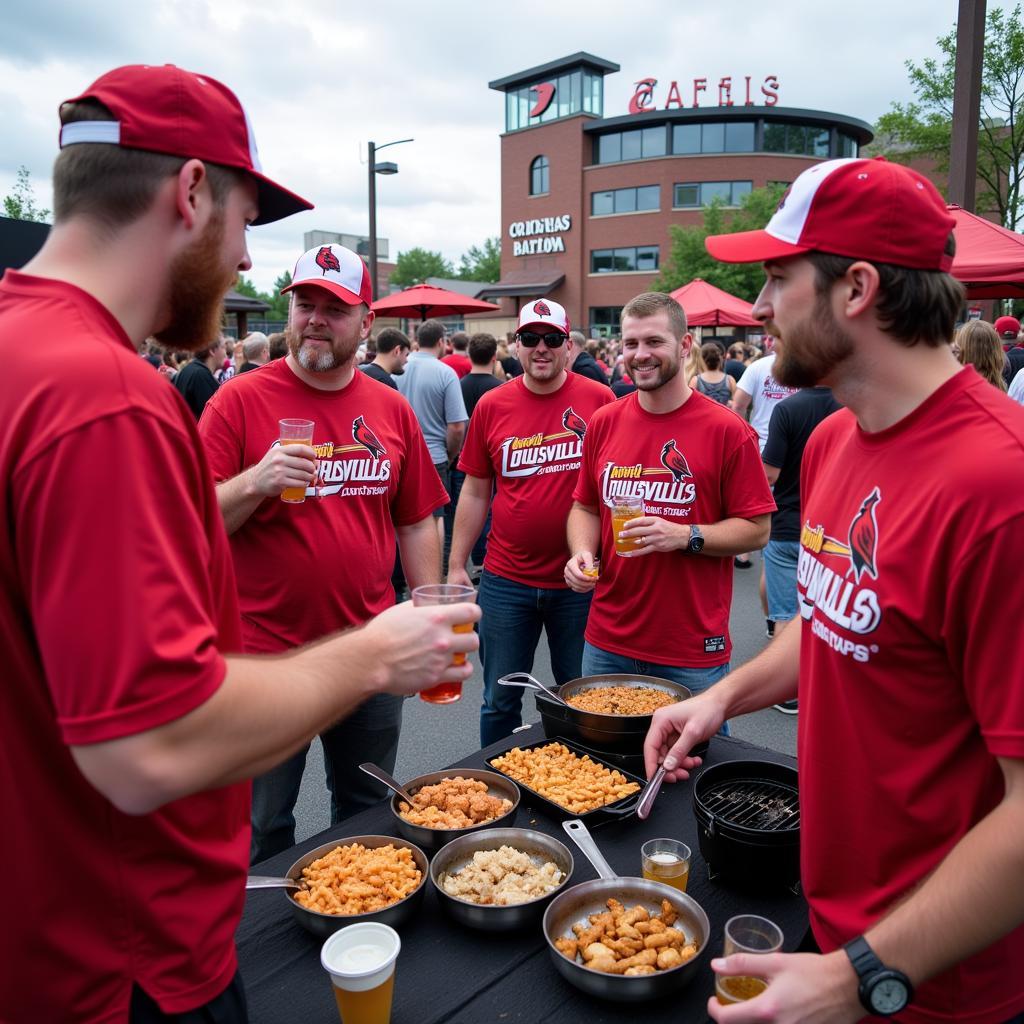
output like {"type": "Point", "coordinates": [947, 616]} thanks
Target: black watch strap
{"type": "Point", "coordinates": [872, 973]}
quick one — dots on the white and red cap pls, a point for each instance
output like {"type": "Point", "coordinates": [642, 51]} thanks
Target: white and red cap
{"type": "Point", "coordinates": [165, 109]}
{"type": "Point", "coordinates": [543, 311]}
{"type": "Point", "coordinates": [335, 269]}
{"type": "Point", "coordinates": [862, 209]}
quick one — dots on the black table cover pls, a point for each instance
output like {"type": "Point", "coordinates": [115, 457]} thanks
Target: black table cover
{"type": "Point", "coordinates": [452, 974]}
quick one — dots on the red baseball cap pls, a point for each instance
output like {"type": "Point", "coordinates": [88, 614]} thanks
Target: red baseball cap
{"type": "Point", "coordinates": [1007, 327]}
{"type": "Point", "coordinates": [544, 311]}
{"type": "Point", "coordinates": [165, 109]}
{"type": "Point", "coordinates": [863, 209]}
{"type": "Point", "coordinates": [335, 269]}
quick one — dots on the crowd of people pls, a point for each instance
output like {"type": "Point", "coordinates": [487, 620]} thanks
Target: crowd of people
{"type": "Point", "coordinates": [176, 629]}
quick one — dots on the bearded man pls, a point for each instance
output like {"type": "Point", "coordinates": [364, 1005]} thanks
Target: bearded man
{"type": "Point", "coordinates": [307, 569]}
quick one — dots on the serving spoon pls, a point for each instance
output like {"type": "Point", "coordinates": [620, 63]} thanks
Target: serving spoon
{"type": "Point", "coordinates": [382, 776]}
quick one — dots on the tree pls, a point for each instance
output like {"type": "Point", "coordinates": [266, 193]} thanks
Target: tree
{"type": "Point", "coordinates": [20, 203]}
{"type": "Point", "coordinates": [924, 129]}
{"type": "Point", "coordinates": [416, 265]}
{"type": "Point", "coordinates": [245, 287]}
{"type": "Point", "coordinates": [278, 302]}
{"type": "Point", "coordinates": [688, 258]}
{"type": "Point", "coordinates": [482, 264]}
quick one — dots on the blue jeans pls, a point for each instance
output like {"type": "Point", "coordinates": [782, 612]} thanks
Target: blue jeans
{"type": "Point", "coordinates": [597, 662]}
{"type": "Point", "coordinates": [513, 616]}
{"type": "Point", "coordinates": [780, 558]}
{"type": "Point", "coordinates": [370, 733]}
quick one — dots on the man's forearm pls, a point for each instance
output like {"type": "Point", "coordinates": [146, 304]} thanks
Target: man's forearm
{"type": "Point", "coordinates": [768, 679]}
{"type": "Point", "coordinates": [735, 536]}
{"type": "Point", "coordinates": [583, 529]}
{"type": "Point", "coordinates": [237, 500]}
{"type": "Point", "coordinates": [455, 435]}
{"type": "Point", "coordinates": [420, 548]}
{"type": "Point", "coordinates": [470, 516]}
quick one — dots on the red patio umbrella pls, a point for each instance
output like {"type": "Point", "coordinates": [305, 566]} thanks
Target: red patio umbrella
{"type": "Point", "coordinates": [708, 306]}
{"type": "Point", "coordinates": [424, 300]}
{"type": "Point", "coordinates": [989, 258]}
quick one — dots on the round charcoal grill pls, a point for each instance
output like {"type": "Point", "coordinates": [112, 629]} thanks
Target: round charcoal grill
{"type": "Point", "coordinates": [748, 817]}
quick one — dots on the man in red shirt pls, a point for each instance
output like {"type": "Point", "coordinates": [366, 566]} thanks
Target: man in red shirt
{"type": "Point", "coordinates": [307, 569]}
{"type": "Point", "coordinates": [128, 725]}
{"type": "Point", "coordinates": [697, 469]}
{"type": "Point", "coordinates": [528, 435]}
{"type": "Point", "coordinates": [459, 359]}
{"type": "Point", "coordinates": [911, 728]}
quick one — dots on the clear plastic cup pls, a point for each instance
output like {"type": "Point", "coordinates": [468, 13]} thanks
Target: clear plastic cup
{"type": "Point", "coordinates": [361, 962]}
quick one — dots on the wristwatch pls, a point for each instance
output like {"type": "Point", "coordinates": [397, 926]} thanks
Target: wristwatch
{"type": "Point", "coordinates": [696, 544]}
{"type": "Point", "coordinates": [882, 990]}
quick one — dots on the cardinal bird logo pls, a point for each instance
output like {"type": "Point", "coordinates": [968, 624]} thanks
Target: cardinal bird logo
{"type": "Point", "coordinates": [541, 308]}
{"type": "Point", "coordinates": [572, 421]}
{"type": "Point", "coordinates": [672, 459]}
{"type": "Point", "coordinates": [363, 435]}
{"type": "Point", "coordinates": [545, 93]}
{"type": "Point", "coordinates": [863, 539]}
{"type": "Point", "coordinates": [326, 260]}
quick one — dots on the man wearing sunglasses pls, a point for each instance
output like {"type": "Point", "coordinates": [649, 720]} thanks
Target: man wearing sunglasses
{"type": "Point", "coordinates": [528, 436]}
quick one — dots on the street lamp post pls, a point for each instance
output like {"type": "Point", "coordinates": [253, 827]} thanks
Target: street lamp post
{"type": "Point", "coordinates": [377, 168]}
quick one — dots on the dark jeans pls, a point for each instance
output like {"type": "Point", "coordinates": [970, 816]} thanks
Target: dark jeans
{"type": "Point", "coordinates": [510, 628]}
{"type": "Point", "coordinates": [227, 1008]}
{"type": "Point", "coordinates": [480, 547]}
{"type": "Point", "coordinates": [370, 733]}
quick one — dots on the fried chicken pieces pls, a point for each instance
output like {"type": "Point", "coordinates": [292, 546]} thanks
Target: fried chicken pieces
{"type": "Point", "coordinates": [454, 803]}
{"type": "Point", "coordinates": [629, 942]}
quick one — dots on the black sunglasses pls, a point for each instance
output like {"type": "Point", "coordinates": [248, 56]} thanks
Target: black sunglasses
{"type": "Point", "coordinates": [531, 339]}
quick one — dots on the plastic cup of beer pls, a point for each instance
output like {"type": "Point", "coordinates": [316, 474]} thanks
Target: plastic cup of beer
{"type": "Point", "coordinates": [445, 593]}
{"type": "Point", "coordinates": [624, 508]}
{"type": "Point", "coordinates": [361, 962]}
{"type": "Point", "coordinates": [666, 860]}
{"type": "Point", "coordinates": [746, 933]}
{"type": "Point", "coordinates": [295, 432]}
{"type": "Point", "coordinates": [593, 570]}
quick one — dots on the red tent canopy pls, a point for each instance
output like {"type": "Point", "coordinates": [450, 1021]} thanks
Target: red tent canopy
{"type": "Point", "coordinates": [424, 300]}
{"type": "Point", "coordinates": [989, 258]}
{"type": "Point", "coordinates": [708, 306]}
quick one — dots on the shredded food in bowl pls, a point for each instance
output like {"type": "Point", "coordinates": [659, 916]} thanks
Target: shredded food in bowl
{"type": "Point", "coordinates": [502, 878]}
{"type": "Point", "coordinates": [622, 700]}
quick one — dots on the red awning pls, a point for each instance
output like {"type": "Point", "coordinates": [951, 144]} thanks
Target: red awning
{"type": "Point", "coordinates": [708, 306]}
{"type": "Point", "coordinates": [989, 258]}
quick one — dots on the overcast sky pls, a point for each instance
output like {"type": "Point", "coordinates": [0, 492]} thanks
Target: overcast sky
{"type": "Point", "coordinates": [319, 79]}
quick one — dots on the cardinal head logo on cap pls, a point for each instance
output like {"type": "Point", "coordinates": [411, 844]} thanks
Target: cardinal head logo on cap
{"type": "Point", "coordinates": [326, 260]}
{"type": "Point", "coordinates": [541, 308]}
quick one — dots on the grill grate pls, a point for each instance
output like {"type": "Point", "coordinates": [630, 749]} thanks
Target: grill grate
{"type": "Point", "coordinates": [766, 806]}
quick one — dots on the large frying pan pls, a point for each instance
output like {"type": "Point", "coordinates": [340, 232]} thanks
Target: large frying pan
{"type": "Point", "coordinates": [575, 905]}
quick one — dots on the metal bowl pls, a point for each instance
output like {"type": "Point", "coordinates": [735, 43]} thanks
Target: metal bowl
{"type": "Point", "coordinates": [435, 838]}
{"type": "Point", "coordinates": [575, 905]}
{"type": "Point", "coordinates": [324, 925]}
{"type": "Point", "coordinates": [459, 852]}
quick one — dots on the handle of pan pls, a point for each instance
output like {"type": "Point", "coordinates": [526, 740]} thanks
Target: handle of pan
{"type": "Point", "coordinates": [580, 835]}
{"type": "Point", "coordinates": [643, 805]}
{"type": "Point", "coordinates": [271, 882]}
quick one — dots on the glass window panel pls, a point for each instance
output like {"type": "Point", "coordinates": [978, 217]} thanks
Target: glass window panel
{"type": "Point", "coordinates": [796, 138]}
{"type": "Point", "coordinates": [711, 190]}
{"type": "Point", "coordinates": [511, 110]}
{"type": "Point", "coordinates": [563, 95]}
{"type": "Point", "coordinates": [625, 259]}
{"type": "Point", "coordinates": [601, 261]}
{"type": "Point", "coordinates": [609, 148]}
{"type": "Point", "coordinates": [687, 194]}
{"type": "Point", "coordinates": [775, 138]}
{"type": "Point", "coordinates": [712, 138]}
{"type": "Point", "coordinates": [686, 138]}
{"type": "Point", "coordinates": [847, 145]}
{"type": "Point", "coordinates": [820, 142]}
{"type": "Point", "coordinates": [739, 137]}
{"type": "Point", "coordinates": [632, 145]}
{"type": "Point", "coordinates": [524, 107]}
{"type": "Point", "coordinates": [576, 97]}
{"type": "Point", "coordinates": [647, 197]}
{"type": "Point", "coordinates": [647, 257]}
{"type": "Point", "coordinates": [654, 141]}
{"type": "Point", "coordinates": [739, 190]}
{"type": "Point", "coordinates": [602, 203]}
{"type": "Point", "coordinates": [598, 89]}
{"type": "Point", "coordinates": [625, 200]}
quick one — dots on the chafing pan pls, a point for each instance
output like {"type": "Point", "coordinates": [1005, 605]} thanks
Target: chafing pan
{"type": "Point", "coordinates": [434, 838]}
{"type": "Point", "coordinates": [576, 904]}
{"type": "Point", "coordinates": [324, 925]}
{"type": "Point", "coordinates": [458, 853]}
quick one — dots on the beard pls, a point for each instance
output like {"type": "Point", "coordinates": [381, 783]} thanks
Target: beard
{"type": "Point", "coordinates": [667, 370]}
{"type": "Point", "coordinates": [321, 360]}
{"type": "Point", "coordinates": [810, 350]}
{"type": "Point", "coordinates": [199, 282]}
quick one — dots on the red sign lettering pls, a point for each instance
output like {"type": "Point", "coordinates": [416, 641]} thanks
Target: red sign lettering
{"type": "Point", "coordinates": [644, 98]}
{"type": "Point", "coordinates": [725, 92]}
{"type": "Point", "coordinates": [545, 94]}
{"type": "Point", "coordinates": [699, 85]}
{"type": "Point", "coordinates": [771, 95]}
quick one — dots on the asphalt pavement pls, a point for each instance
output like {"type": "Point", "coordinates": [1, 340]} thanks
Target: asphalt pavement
{"type": "Point", "coordinates": [434, 736]}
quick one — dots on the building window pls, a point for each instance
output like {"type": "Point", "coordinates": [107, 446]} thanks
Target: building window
{"type": "Point", "coordinates": [797, 139]}
{"type": "Point", "coordinates": [635, 144]}
{"type": "Point", "coordinates": [604, 320]}
{"type": "Point", "coordinates": [540, 177]}
{"type": "Point", "coordinates": [575, 92]}
{"type": "Point", "coordinates": [619, 261]}
{"type": "Point", "coordinates": [624, 200]}
{"type": "Point", "coordinates": [695, 194]}
{"type": "Point", "coordinates": [847, 145]}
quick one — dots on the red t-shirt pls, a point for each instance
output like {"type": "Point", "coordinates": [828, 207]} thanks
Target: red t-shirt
{"type": "Point", "coordinates": [696, 465]}
{"type": "Point", "coordinates": [306, 570]}
{"type": "Point", "coordinates": [116, 597]}
{"type": "Point", "coordinates": [911, 678]}
{"type": "Point", "coordinates": [531, 444]}
{"type": "Point", "coordinates": [460, 363]}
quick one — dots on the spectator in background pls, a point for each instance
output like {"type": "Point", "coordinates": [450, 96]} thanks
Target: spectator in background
{"type": "Point", "coordinates": [1016, 391]}
{"type": "Point", "coordinates": [509, 364]}
{"type": "Point", "coordinates": [734, 364]}
{"type": "Point", "coordinates": [581, 361]}
{"type": "Point", "coordinates": [713, 381]}
{"type": "Point", "coordinates": [483, 350]}
{"type": "Point", "coordinates": [226, 370]}
{"type": "Point", "coordinates": [392, 353]}
{"type": "Point", "coordinates": [1008, 329]}
{"type": "Point", "coordinates": [196, 381]}
{"type": "Point", "coordinates": [981, 348]}
{"type": "Point", "coordinates": [278, 345]}
{"type": "Point", "coordinates": [459, 360]}
{"type": "Point", "coordinates": [255, 351]}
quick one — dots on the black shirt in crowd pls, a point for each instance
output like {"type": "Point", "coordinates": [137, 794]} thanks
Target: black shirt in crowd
{"type": "Point", "coordinates": [511, 366]}
{"type": "Point", "coordinates": [196, 384]}
{"type": "Point", "coordinates": [475, 386]}
{"type": "Point", "coordinates": [378, 373]}
{"type": "Point", "coordinates": [792, 423]}
{"type": "Point", "coordinates": [734, 368]}
{"type": "Point", "coordinates": [586, 366]}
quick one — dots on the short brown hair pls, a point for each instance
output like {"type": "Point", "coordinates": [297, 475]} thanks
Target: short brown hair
{"type": "Point", "coordinates": [114, 185]}
{"type": "Point", "coordinates": [391, 338]}
{"type": "Point", "coordinates": [482, 349]}
{"type": "Point", "coordinates": [460, 341]}
{"type": "Point", "coordinates": [912, 305]}
{"type": "Point", "coordinates": [652, 303]}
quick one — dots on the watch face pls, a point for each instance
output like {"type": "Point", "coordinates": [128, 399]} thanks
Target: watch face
{"type": "Point", "coordinates": [888, 996]}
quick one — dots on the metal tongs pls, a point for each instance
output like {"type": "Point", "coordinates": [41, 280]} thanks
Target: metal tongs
{"type": "Point", "coordinates": [527, 682]}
